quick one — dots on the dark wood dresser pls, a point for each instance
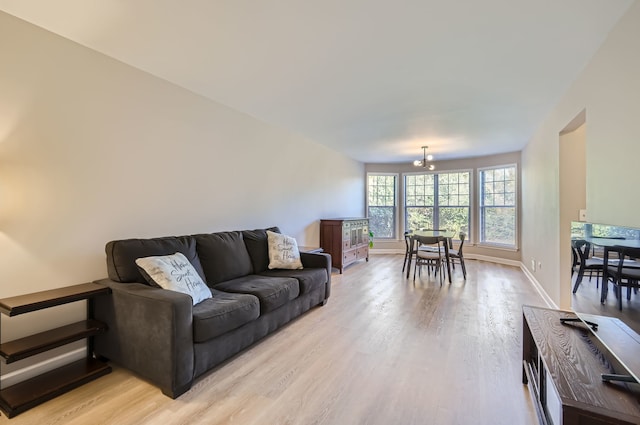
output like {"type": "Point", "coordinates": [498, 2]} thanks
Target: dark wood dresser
{"type": "Point", "coordinates": [346, 239]}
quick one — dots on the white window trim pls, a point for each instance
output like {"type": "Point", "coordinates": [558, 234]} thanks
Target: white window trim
{"type": "Point", "coordinates": [395, 201]}
{"type": "Point", "coordinates": [513, 248]}
{"type": "Point", "coordinates": [470, 237]}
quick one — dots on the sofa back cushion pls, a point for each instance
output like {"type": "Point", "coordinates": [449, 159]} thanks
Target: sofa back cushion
{"type": "Point", "coordinates": [122, 255]}
{"type": "Point", "coordinates": [223, 256]}
{"type": "Point", "coordinates": [258, 247]}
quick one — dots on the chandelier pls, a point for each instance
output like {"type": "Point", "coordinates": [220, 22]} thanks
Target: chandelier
{"type": "Point", "coordinates": [425, 162]}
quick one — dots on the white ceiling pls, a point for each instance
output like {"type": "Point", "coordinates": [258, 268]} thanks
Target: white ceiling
{"type": "Point", "coordinates": [374, 79]}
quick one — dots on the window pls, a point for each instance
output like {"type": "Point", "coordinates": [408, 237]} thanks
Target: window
{"type": "Point", "coordinates": [438, 201]}
{"type": "Point", "coordinates": [498, 206]}
{"type": "Point", "coordinates": [454, 201]}
{"type": "Point", "coordinates": [381, 205]}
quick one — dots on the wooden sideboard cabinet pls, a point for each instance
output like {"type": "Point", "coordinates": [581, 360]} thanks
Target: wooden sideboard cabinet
{"type": "Point", "coordinates": [346, 239]}
{"type": "Point", "coordinates": [564, 364]}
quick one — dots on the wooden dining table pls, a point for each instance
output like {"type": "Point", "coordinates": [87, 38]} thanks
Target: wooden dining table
{"type": "Point", "coordinates": [444, 236]}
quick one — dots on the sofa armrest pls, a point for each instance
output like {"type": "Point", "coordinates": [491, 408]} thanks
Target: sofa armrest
{"type": "Point", "coordinates": [318, 260]}
{"type": "Point", "coordinates": [150, 331]}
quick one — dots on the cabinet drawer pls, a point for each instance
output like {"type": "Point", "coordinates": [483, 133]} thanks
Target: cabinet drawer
{"type": "Point", "coordinates": [362, 252]}
{"type": "Point", "coordinates": [349, 256]}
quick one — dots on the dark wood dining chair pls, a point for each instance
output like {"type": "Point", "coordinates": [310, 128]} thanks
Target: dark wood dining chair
{"type": "Point", "coordinates": [575, 259]}
{"type": "Point", "coordinates": [455, 255]}
{"type": "Point", "coordinates": [586, 262]}
{"type": "Point", "coordinates": [434, 259]}
{"type": "Point", "coordinates": [432, 248]}
{"type": "Point", "coordinates": [408, 252]}
{"type": "Point", "coordinates": [626, 272]}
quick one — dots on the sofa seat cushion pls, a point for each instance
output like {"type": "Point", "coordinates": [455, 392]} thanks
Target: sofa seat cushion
{"type": "Point", "coordinates": [309, 279]}
{"type": "Point", "coordinates": [223, 313]}
{"type": "Point", "coordinates": [273, 292]}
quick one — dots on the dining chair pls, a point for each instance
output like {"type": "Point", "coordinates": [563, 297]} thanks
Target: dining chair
{"type": "Point", "coordinates": [433, 259]}
{"type": "Point", "coordinates": [586, 262]}
{"type": "Point", "coordinates": [575, 258]}
{"type": "Point", "coordinates": [456, 255]}
{"type": "Point", "coordinates": [626, 272]}
{"type": "Point", "coordinates": [408, 252]}
{"type": "Point", "coordinates": [432, 248]}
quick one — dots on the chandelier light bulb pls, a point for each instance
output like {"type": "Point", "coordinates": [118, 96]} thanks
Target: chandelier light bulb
{"type": "Point", "coordinates": [425, 159]}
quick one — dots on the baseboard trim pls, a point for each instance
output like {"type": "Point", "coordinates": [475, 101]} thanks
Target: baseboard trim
{"type": "Point", "coordinates": [490, 259]}
{"type": "Point", "coordinates": [39, 368]}
{"type": "Point", "coordinates": [387, 251]}
{"type": "Point", "coordinates": [545, 297]}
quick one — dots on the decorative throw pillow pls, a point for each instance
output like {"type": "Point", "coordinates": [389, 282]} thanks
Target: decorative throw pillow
{"type": "Point", "coordinates": [176, 273]}
{"type": "Point", "coordinates": [283, 251]}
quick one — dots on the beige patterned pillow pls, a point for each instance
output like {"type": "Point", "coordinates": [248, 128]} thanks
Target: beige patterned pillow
{"type": "Point", "coordinates": [174, 272]}
{"type": "Point", "coordinates": [283, 252]}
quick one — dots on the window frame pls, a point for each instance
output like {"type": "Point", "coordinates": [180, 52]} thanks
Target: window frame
{"type": "Point", "coordinates": [436, 206]}
{"type": "Point", "coordinates": [395, 226]}
{"type": "Point", "coordinates": [516, 208]}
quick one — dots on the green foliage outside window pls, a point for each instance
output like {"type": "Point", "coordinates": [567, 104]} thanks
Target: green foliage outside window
{"type": "Point", "coordinates": [498, 206]}
{"type": "Point", "coordinates": [438, 201]}
{"type": "Point", "coordinates": [381, 192]}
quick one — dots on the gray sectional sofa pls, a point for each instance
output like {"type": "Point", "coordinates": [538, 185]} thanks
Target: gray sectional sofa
{"type": "Point", "coordinates": [161, 336]}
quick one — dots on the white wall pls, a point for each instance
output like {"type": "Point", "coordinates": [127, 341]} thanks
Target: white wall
{"type": "Point", "coordinates": [609, 90]}
{"type": "Point", "coordinates": [572, 197]}
{"type": "Point", "coordinates": [93, 150]}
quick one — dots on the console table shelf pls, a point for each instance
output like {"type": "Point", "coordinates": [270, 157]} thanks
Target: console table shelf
{"type": "Point", "coordinates": [22, 348]}
{"type": "Point", "coordinates": [27, 394]}
{"type": "Point", "coordinates": [23, 396]}
{"type": "Point", "coordinates": [563, 366]}
{"type": "Point", "coordinates": [27, 303]}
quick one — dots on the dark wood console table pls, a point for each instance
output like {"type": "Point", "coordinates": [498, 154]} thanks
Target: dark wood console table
{"type": "Point", "coordinates": [27, 394]}
{"type": "Point", "coordinates": [563, 365]}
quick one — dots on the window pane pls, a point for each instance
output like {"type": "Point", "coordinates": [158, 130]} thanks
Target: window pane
{"type": "Point", "coordinates": [499, 225]}
{"type": "Point", "coordinates": [488, 188]}
{"type": "Point", "coordinates": [381, 221]}
{"type": "Point", "coordinates": [510, 199]}
{"type": "Point", "coordinates": [498, 206]}
{"type": "Point", "coordinates": [419, 218]}
{"type": "Point", "coordinates": [488, 175]}
{"type": "Point", "coordinates": [381, 197]}
{"type": "Point", "coordinates": [450, 209]}
{"type": "Point", "coordinates": [454, 218]}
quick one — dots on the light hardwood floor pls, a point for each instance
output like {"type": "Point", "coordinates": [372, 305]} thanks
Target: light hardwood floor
{"type": "Point", "coordinates": [382, 351]}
